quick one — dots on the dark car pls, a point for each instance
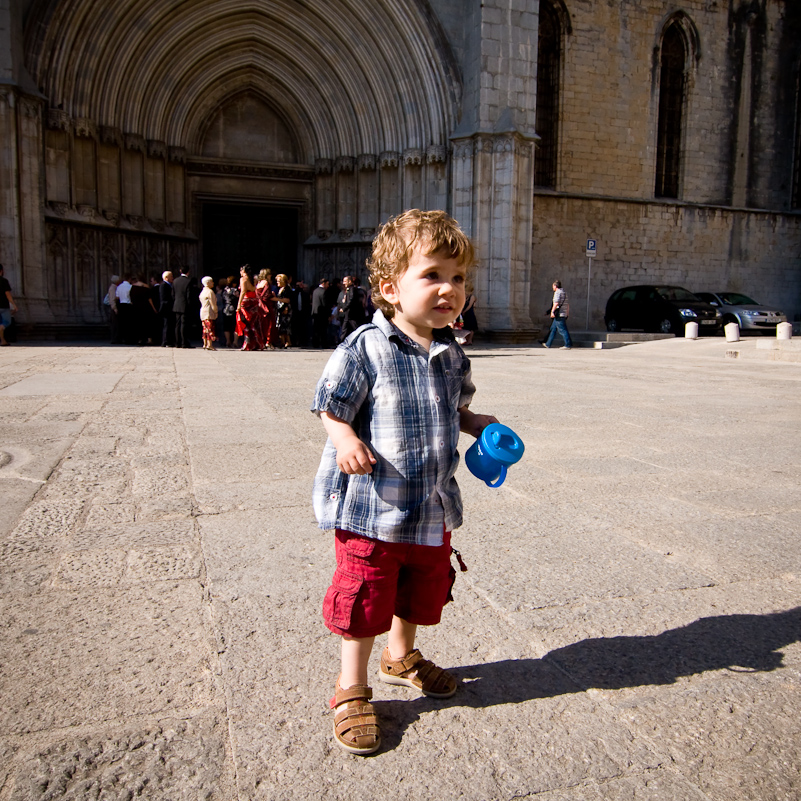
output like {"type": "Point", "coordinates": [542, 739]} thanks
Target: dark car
{"type": "Point", "coordinates": [659, 309]}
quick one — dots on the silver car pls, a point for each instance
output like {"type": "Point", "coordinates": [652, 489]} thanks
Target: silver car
{"type": "Point", "coordinates": [746, 312]}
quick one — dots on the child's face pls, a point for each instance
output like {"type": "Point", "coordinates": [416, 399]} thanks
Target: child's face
{"type": "Point", "coordinates": [430, 294]}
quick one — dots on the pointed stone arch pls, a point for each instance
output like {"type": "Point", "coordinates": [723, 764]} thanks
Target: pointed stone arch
{"type": "Point", "coordinates": [360, 78]}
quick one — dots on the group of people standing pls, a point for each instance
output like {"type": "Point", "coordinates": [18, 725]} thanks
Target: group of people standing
{"type": "Point", "coordinates": [263, 312]}
{"type": "Point", "coordinates": [251, 312]}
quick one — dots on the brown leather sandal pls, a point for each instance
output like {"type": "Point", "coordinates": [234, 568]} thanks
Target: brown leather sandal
{"type": "Point", "coordinates": [355, 723]}
{"type": "Point", "coordinates": [416, 672]}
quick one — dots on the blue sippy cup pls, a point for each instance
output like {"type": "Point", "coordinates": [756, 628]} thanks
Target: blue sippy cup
{"type": "Point", "coordinates": [489, 456]}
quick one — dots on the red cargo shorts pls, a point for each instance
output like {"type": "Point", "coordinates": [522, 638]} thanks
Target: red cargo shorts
{"type": "Point", "coordinates": [375, 580]}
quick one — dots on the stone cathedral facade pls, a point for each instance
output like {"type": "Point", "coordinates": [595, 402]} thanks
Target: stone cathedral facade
{"type": "Point", "coordinates": [144, 135]}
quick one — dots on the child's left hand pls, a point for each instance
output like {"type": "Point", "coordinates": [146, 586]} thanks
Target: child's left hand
{"type": "Point", "coordinates": [474, 424]}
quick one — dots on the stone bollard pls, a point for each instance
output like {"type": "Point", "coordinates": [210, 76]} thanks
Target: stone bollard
{"type": "Point", "coordinates": [784, 331]}
{"type": "Point", "coordinates": [732, 332]}
{"type": "Point", "coordinates": [691, 331]}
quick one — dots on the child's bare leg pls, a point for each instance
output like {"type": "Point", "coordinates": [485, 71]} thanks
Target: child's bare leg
{"type": "Point", "coordinates": [415, 671]}
{"type": "Point", "coordinates": [355, 656]}
{"type": "Point", "coordinates": [401, 637]}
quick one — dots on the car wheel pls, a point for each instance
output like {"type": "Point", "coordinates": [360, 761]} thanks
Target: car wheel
{"type": "Point", "coordinates": [665, 327]}
{"type": "Point", "coordinates": [612, 324]}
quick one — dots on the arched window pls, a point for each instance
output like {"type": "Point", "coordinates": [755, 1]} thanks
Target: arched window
{"type": "Point", "coordinates": [549, 59]}
{"type": "Point", "coordinates": [672, 89]}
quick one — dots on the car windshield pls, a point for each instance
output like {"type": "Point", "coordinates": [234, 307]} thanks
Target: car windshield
{"type": "Point", "coordinates": [736, 299]}
{"type": "Point", "coordinates": [675, 293]}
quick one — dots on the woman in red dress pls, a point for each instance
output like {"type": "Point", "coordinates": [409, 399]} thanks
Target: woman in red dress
{"type": "Point", "coordinates": [267, 301]}
{"type": "Point", "coordinates": [248, 313]}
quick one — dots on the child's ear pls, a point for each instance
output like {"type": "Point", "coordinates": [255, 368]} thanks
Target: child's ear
{"type": "Point", "coordinates": [389, 292]}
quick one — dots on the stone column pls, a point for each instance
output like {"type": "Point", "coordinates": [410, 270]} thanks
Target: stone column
{"type": "Point", "coordinates": [413, 190]}
{"type": "Point", "coordinates": [133, 190]}
{"type": "Point", "coordinates": [108, 173]}
{"type": "Point", "coordinates": [155, 201]}
{"type": "Point", "coordinates": [493, 168]}
{"type": "Point", "coordinates": [436, 177]}
{"type": "Point", "coordinates": [10, 239]}
{"type": "Point", "coordinates": [324, 197]}
{"type": "Point", "coordinates": [390, 184]}
{"type": "Point", "coordinates": [346, 196]}
{"type": "Point", "coordinates": [493, 185]}
{"type": "Point", "coordinates": [176, 188]}
{"type": "Point", "coordinates": [30, 146]}
{"type": "Point", "coordinates": [368, 195]}
{"type": "Point", "coordinates": [84, 166]}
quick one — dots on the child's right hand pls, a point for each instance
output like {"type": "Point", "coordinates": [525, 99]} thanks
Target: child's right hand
{"type": "Point", "coordinates": [354, 457]}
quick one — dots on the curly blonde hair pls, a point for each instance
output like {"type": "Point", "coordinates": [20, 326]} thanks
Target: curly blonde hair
{"type": "Point", "coordinates": [397, 238]}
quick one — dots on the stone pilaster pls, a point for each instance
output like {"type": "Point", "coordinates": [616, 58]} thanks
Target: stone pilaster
{"type": "Point", "coordinates": [493, 183]}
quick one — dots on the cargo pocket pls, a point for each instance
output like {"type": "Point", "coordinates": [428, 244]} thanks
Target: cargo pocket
{"type": "Point", "coordinates": [339, 600]}
{"type": "Point", "coordinates": [358, 548]}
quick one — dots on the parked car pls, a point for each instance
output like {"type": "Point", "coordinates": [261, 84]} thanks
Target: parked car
{"type": "Point", "coordinates": [746, 312]}
{"type": "Point", "coordinates": [659, 309]}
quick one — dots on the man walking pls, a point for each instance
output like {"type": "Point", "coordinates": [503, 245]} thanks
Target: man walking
{"type": "Point", "coordinates": [559, 313]}
{"type": "Point", "coordinates": [182, 306]}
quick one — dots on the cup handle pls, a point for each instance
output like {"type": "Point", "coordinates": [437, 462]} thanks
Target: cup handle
{"type": "Point", "coordinates": [501, 478]}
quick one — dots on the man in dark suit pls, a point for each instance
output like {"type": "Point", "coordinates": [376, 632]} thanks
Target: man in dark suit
{"type": "Point", "coordinates": [351, 306]}
{"type": "Point", "coordinates": [321, 314]}
{"type": "Point", "coordinates": [166, 300]}
{"type": "Point", "coordinates": [182, 307]}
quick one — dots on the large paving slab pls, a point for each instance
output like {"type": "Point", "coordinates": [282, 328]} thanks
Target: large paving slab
{"type": "Point", "coordinates": [629, 626]}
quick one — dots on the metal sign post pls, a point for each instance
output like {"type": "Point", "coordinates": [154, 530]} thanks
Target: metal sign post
{"type": "Point", "coordinates": [591, 252]}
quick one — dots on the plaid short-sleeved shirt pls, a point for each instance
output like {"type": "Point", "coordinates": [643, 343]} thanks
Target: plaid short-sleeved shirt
{"type": "Point", "coordinates": [403, 404]}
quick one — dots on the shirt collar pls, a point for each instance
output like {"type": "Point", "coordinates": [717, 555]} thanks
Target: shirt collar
{"type": "Point", "coordinates": [443, 337]}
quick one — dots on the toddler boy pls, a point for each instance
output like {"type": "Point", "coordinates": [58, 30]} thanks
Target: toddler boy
{"type": "Point", "coordinates": [393, 398]}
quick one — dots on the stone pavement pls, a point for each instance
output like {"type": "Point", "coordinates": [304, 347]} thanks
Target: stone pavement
{"type": "Point", "coordinates": [628, 629]}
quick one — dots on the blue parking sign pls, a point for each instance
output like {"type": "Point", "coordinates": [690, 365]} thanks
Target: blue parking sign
{"type": "Point", "coordinates": [591, 243]}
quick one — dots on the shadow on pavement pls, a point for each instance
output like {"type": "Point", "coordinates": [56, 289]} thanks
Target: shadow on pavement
{"type": "Point", "coordinates": [739, 643]}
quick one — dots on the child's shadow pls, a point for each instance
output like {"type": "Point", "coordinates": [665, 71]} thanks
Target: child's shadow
{"type": "Point", "coordinates": [740, 643]}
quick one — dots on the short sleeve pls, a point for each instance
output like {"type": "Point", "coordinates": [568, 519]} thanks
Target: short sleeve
{"type": "Point", "coordinates": [343, 387]}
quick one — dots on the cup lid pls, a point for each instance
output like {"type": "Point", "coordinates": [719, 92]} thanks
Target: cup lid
{"type": "Point", "coordinates": [502, 444]}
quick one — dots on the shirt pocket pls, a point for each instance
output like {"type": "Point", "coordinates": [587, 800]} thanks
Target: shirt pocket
{"type": "Point", "coordinates": [340, 598]}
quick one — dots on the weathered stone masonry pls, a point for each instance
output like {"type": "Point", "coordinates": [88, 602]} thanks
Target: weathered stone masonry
{"type": "Point", "coordinates": [114, 141]}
